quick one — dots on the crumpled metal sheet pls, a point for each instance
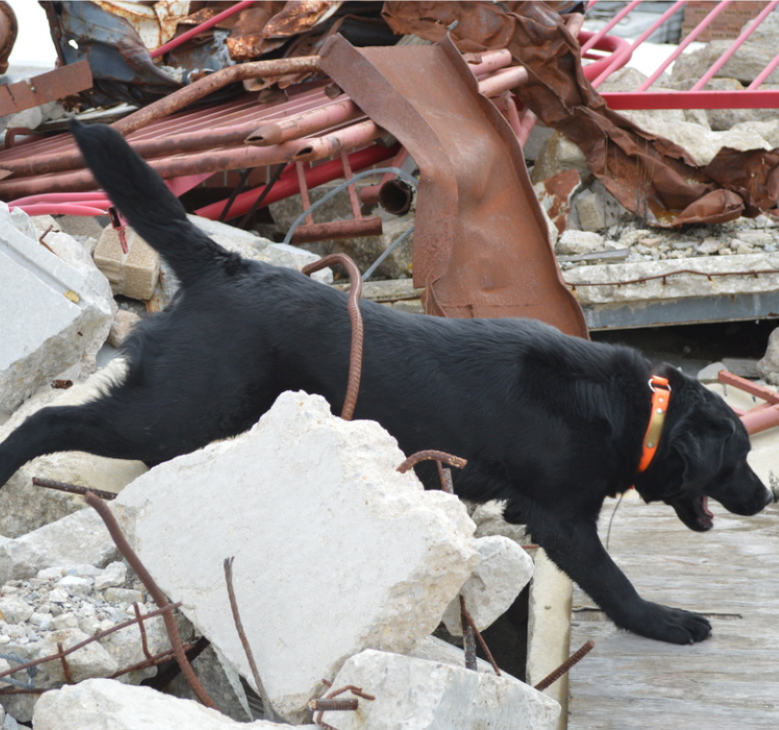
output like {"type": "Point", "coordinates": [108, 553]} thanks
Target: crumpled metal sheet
{"type": "Point", "coordinates": [299, 16]}
{"type": "Point", "coordinates": [9, 29]}
{"type": "Point", "coordinates": [481, 243]}
{"type": "Point", "coordinates": [122, 68]}
{"type": "Point", "coordinates": [649, 175]}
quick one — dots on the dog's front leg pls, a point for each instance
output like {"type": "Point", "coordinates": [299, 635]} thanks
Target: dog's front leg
{"type": "Point", "coordinates": [574, 546]}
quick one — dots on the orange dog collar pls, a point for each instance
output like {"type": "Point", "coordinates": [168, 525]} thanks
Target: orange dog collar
{"type": "Point", "coordinates": [661, 396]}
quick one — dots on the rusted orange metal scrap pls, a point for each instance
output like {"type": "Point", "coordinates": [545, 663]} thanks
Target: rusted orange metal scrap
{"type": "Point", "coordinates": [481, 246]}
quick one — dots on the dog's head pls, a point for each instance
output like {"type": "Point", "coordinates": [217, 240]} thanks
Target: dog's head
{"type": "Point", "coordinates": [702, 453]}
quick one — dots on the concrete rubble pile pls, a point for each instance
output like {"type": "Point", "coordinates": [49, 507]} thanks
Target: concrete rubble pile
{"type": "Point", "coordinates": [297, 502]}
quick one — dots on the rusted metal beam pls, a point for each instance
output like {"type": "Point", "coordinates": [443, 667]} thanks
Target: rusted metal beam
{"type": "Point", "coordinates": [46, 87]}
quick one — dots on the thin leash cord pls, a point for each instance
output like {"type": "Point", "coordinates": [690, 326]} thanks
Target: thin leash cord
{"type": "Point", "coordinates": [611, 520]}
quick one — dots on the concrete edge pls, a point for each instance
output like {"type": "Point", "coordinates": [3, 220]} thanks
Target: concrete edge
{"type": "Point", "coordinates": [549, 629]}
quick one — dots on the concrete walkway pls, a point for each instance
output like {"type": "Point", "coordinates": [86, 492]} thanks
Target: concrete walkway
{"type": "Point", "coordinates": [730, 574]}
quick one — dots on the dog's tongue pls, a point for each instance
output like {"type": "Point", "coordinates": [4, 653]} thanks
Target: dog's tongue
{"type": "Point", "coordinates": [705, 505]}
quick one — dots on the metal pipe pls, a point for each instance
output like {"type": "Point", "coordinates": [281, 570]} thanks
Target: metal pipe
{"type": "Point", "coordinates": [503, 80]}
{"type": "Point", "coordinates": [759, 99]}
{"type": "Point", "coordinates": [606, 28]}
{"type": "Point", "coordinates": [337, 229]}
{"type": "Point", "coordinates": [491, 61]}
{"type": "Point", "coordinates": [331, 143]}
{"type": "Point", "coordinates": [203, 162]}
{"type": "Point", "coordinates": [304, 124]}
{"type": "Point", "coordinates": [622, 56]}
{"type": "Point", "coordinates": [370, 193]}
{"type": "Point", "coordinates": [213, 82]}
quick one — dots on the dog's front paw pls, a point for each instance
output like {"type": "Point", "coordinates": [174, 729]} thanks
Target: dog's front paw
{"type": "Point", "coordinates": [673, 625]}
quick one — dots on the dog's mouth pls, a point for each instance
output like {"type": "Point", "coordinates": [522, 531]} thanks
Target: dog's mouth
{"type": "Point", "coordinates": [694, 512]}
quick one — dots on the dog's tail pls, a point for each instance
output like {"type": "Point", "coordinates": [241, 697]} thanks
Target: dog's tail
{"type": "Point", "coordinates": [148, 205]}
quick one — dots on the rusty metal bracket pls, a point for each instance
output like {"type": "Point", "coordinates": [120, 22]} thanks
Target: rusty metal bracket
{"type": "Point", "coordinates": [481, 244]}
{"type": "Point", "coordinates": [46, 87]}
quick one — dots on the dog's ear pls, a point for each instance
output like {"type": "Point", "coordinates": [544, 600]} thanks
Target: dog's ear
{"type": "Point", "coordinates": [701, 449]}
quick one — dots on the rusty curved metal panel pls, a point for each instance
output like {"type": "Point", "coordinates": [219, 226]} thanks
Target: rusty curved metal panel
{"type": "Point", "coordinates": [9, 29]}
{"type": "Point", "coordinates": [481, 243]}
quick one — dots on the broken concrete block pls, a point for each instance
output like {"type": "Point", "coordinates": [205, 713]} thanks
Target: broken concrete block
{"type": "Point", "coordinates": [103, 704]}
{"type": "Point", "coordinates": [554, 196]}
{"type": "Point", "coordinates": [73, 540]}
{"type": "Point", "coordinates": [80, 226]}
{"type": "Point", "coordinates": [415, 694]}
{"type": "Point", "coordinates": [670, 286]}
{"type": "Point", "coordinates": [53, 314]}
{"type": "Point", "coordinates": [133, 274]}
{"type": "Point", "coordinates": [334, 550]}
{"type": "Point", "coordinates": [433, 649]}
{"type": "Point", "coordinates": [252, 246]}
{"type": "Point", "coordinates": [123, 324]}
{"type": "Point", "coordinates": [710, 374]}
{"type": "Point", "coordinates": [489, 521]}
{"type": "Point", "coordinates": [744, 367]}
{"type": "Point", "coordinates": [24, 507]}
{"type": "Point", "coordinates": [249, 246]}
{"type": "Point", "coordinates": [575, 242]}
{"type": "Point", "coordinates": [768, 365]}
{"type": "Point", "coordinates": [505, 569]}
{"type": "Point", "coordinates": [558, 155]}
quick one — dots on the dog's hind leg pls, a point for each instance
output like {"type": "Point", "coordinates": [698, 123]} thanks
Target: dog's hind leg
{"type": "Point", "coordinates": [90, 427]}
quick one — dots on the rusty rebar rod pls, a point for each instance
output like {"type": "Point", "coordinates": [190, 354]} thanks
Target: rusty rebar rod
{"type": "Point", "coordinates": [96, 637]}
{"type": "Point", "coordinates": [353, 305]}
{"type": "Point", "coordinates": [72, 488]}
{"type": "Point", "coordinates": [431, 454]}
{"type": "Point", "coordinates": [329, 703]}
{"type": "Point", "coordinates": [154, 591]}
{"type": "Point", "coordinates": [267, 707]}
{"type": "Point", "coordinates": [469, 639]}
{"type": "Point", "coordinates": [326, 705]}
{"type": "Point", "coordinates": [65, 665]}
{"type": "Point", "coordinates": [572, 660]}
{"type": "Point", "coordinates": [486, 649]}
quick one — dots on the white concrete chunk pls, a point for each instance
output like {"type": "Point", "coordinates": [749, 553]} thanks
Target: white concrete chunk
{"type": "Point", "coordinates": [415, 694]}
{"type": "Point", "coordinates": [674, 286]}
{"type": "Point", "coordinates": [334, 550]}
{"type": "Point", "coordinates": [505, 569]}
{"type": "Point", "coordinates": [105, 704]}
{"type": "Point", "coordinates": [75, 539]}
{"type": "Point", "coordinates": [52, 312]}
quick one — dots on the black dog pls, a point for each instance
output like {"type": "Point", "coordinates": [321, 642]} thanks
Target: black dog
{"type": "Point", "coordinates": [550, 423]}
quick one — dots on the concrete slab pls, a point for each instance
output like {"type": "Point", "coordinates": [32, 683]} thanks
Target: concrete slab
{"type": "Point", "coordinates": [51, 312]}
{"type": "Point", "coordinates": [97, 704]}
{"type": "Point", "coordinates": [335, 551]}
{"type": "Point", "coordinates": [415, 694]}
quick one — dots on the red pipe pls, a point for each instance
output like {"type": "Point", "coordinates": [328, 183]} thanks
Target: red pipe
{"type": "Point", "coordinates": [176, 42]}
{"type": "Point", "coordinates": [288, 184]}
